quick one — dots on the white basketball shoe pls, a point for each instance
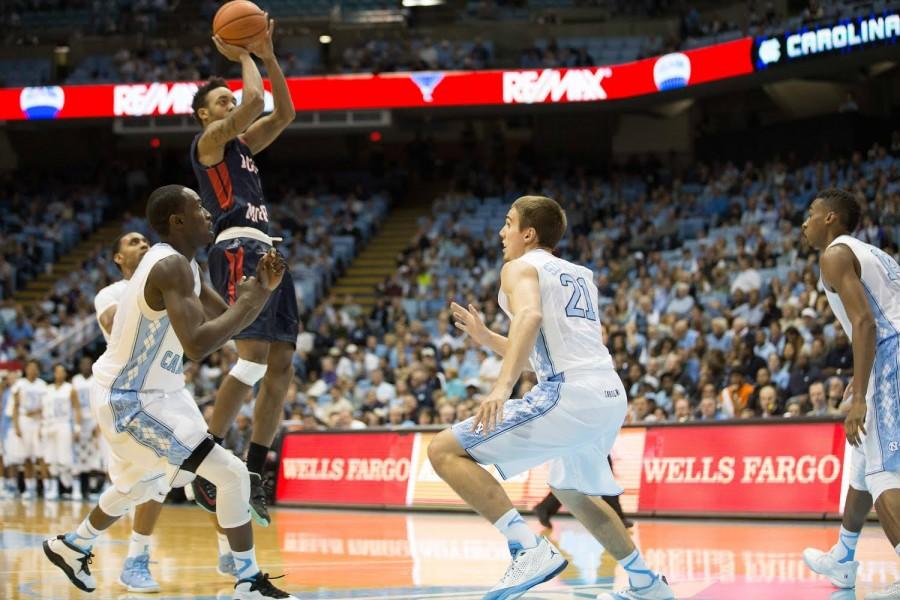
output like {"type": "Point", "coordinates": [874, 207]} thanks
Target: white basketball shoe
{"type": "Point", "coordinates": [73, 560]}
{"type": "Point", "coordinates": [529, 567]}
{"type": "Point", "coordinates": [891, 592]}
{"type": "Point", "coordinates": [842, 575]}
{"type": "Point", "coordinates": [658, 590]}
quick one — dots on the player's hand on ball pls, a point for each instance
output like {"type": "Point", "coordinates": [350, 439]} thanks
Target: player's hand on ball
{"type": "Point", "coordinates": [229, 51]}
{"type": "Point", "coordinates": [470, 321]}
{"type": "Point", "coordinates": [855, 423]}
{"type": "Point", "coordinates": [270, 269]}
{"type": "Point", "coordinates": [489, 415]}
{"type": "Point", "coordinates": [263, 47]}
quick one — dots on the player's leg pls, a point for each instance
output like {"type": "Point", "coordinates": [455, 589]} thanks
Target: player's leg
{"type": "Point", "coordinates": [136, 574]}
{"type": "Point", "coordinates": [604, 524]}
{"type": "Point", "coordinates": [839, 564]}
{"type": "Point", "coordinates": [229, 475]}
{"type": "Point", "coordinates": [546, 509]}
{"type": "Point", "coordinates": [231, 395]}
{"type": "Point", "coordinates": [885, 489]}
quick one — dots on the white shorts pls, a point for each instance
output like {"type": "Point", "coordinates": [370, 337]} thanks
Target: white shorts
{"type": "Point", "coordinates": [58, 448]}
{"type": "Point", "coordinates": [27, 447]}
{"type": "Point", "coordinates": [874, 483]}
{"type": "Point", "coordinates": [571, 422]}
{"type": "Point", "coordinates": [149, 434]}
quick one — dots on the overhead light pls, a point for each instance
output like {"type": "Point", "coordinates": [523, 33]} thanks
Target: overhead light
{"type": "Point", "coordinates": [414, 3]}
{"type": "Point", "coordinates": [325, 39]}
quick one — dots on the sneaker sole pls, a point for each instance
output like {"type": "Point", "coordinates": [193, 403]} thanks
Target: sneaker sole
{"type": "Point", "coordinates": [522, 589]}
{"type": "Point", "coordinates": [138, 590]}
{"type": "Point", "coordinates": [60, 562]}
{"type": "Point", "coordinates": [844, 585]}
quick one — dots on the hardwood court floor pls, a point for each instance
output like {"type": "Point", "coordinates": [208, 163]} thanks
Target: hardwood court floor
{"type": "Point", "coordinates": [361, 555]}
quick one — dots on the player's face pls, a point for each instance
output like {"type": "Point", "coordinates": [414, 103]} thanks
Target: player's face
{"type": "Point", "coordinates": [197, 220]}
{"type": "Point", "coordinates": [219, 103]}
{"type": "Point", "coordinates": [512, 239]}
{"type": "Point", "coordinates": [31, 370]}
{"type": "Point", "coordinates": [132, 249]}
{"type": "Point", "coordinates": [59, 374]}
{"type": "Point", "coordinates": [814, 228]}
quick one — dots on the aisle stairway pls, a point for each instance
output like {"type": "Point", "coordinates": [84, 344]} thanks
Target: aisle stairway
{"type": "Point", "coordinates": [38, 287]}
{"type": "Point", "coordinates": [378, 259]}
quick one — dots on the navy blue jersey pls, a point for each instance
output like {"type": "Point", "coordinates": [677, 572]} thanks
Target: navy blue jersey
{"type": "Point", "coordinates": [231, 190]}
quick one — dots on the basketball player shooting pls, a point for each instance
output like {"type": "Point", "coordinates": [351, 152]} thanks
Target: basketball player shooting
{"type": "Point", "coordinates": [231, 190]}
{"type": "Point", "coordinates": [571, 417]}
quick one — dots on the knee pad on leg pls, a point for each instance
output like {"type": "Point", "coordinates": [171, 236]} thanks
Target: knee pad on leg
{"type": "Point", "coordinates": [116, 503]}
{"type": "Point", "coordinates": [230, 476]}
{"type": "Point", "coordinates": [248, 372]}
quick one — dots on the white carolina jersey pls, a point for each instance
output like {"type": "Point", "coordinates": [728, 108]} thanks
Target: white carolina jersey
{"type": "Point", "coordinates": [31, 394]}
{"type": "Point", "coordinates": [143, 352]}
{"type": "Point", "coordinates": [82, 387]}
{"type": "Point", "coordinates": [880, 276]}
{"type": "Point", "coordinates": [58, 403]}
{"type": "Point", "coordinates": [107, 297]}
{"type": "Point", "coordinates": [569, 337]}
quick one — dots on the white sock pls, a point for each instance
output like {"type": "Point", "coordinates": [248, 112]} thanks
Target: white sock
{"type": "Point", "coordinates": [513, 526]}
{"type": "Point", "coordinates": [639, 575]}
{"type": "Point", "coordinates": [84, 536]}
{"type": "Point", "coordinates": [51, 486]}
{"type": "Point", "coordinates": [845, 549]}
{"type": "Point", "coordinates": [224, 546]}
{"type": "Point", "coordinates": [245, 564]}
{"type": "Point", "coordinates": [139, 544]}
{"type": "Point", "coordinates": [31, 484]}
{"type": "Point", "coordinates": [11, 484]}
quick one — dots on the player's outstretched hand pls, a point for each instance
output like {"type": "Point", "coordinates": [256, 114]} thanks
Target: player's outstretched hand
{"type": "Point", "coordinates": [229, 51]}
{"type": "Point", "coordinates": [854, 423]}
{"type": "Point", "coordinates": [270, 269]}
{"type": "Point", "coordinates": [263, 48]}
{"type": "Point", "coordinates": [470, 321]}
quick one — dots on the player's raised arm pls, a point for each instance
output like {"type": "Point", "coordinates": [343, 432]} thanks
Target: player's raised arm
{"type": "Point", "coordinates": [213, 304]}
{"type": "Point", "coordinates": [212, 143]}
{"type": "Point", "coordinates": [839, 271]}
{"type": "Point", "coordinates": [171, 284]}
{"type": "Point", "coordinates": [469, 320]}
{"type": "Point", "coordinates": [264, 131]}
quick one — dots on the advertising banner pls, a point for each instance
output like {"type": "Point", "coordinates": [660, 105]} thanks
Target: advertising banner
{"type": "Point", "coordinates": [400, 90]}
{"type": "Point", "coordinates": [345, 468]}
{"type": "Point", "coordinates": [765, 469]}
{"type": "Point", "coordinates": [743, 469]}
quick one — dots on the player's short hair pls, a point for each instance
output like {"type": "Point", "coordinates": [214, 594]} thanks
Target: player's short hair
{"type": "Point", "coordinates": [844, 204]}
{"type": "Point", "coordinates": [34, 361]}
{"type": "Point", "coordinates": [115, 250]}
{"type": "Point", "coordinates": [164, 202]}
{"type": "Point", "coordinates": [545, 215]}
{"type": "Point", "coordinates": [202, 92]}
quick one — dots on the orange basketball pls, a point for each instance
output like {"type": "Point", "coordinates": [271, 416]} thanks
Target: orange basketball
{"type": "Point", "coordinates": [239, 22]}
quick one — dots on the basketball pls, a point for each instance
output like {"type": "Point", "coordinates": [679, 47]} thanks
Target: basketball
{"type": "Point", "coordinates": [239, 22]}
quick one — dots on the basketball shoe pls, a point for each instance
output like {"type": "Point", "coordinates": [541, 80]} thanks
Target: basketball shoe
{"type": "Point", "coordinates": [72, 560]}
{"type": "Point", "coordinates": [842, 575]}
{"type": "Point", "coordinates": [658, 590]}
{"type": "Point", "coordinates": [136, 575]}
{"type": "Point", "coordinates": [891, 592]}
{"type": "Point", "coordinates": [529, 567]}
{"type": "Point", "coordinates": [259, 587]}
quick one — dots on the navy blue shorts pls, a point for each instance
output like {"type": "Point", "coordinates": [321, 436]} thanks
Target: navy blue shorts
{"type": "Point", "coordinates": [231, 260]}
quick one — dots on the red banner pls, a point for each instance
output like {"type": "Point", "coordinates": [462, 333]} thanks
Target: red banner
{"type": "Point", "coordinates": [402, 90]}
{"type": "Point", "coordinates": [743, 469]}
{"type": "Point", "coordinates": [345, 469]}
